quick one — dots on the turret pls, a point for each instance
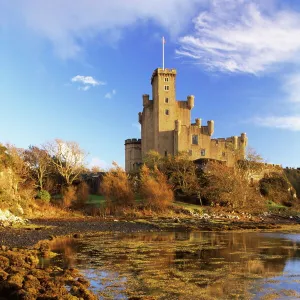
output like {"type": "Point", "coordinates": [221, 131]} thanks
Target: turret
{"type": "Point", "coordinates": [140, 117]}
{"type": "Point", "coordinates": [145, 100]}
{"type": "Point", "coordinates": [244, 139]}
{"type": "Point", "coordinates": [198, 122]}
{"type": "Point", "coordinates": [235, 142]}
{"type": "Point", "coordinates": [191, 101]}
{"type": "Point", "coordinates": [211, 127]}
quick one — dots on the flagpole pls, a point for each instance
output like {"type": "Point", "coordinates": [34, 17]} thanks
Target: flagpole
{"type": "Point", "coordinates": [163, 52]}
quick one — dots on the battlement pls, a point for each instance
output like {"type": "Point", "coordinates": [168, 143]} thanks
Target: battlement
{"type": "Point", "coordinates": [133, 141]}
{"type": "Point", "coordinates": [162, 71]}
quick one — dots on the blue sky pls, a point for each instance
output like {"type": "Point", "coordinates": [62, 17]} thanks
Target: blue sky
{"type": "Point", "coordinates": [76, 70]}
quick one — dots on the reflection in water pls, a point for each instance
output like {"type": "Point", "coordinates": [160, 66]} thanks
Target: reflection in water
{"type": "Point", "coordinates": [182, 265]}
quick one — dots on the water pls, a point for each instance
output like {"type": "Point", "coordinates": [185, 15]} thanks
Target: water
{"type": "Point", "coordinates": [181, 265]}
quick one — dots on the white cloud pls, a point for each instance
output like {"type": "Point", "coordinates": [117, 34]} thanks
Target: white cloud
{"type": "Point", "coordinates": [109, 95]}
{"type": "Point", "coordinates": [282, 122]}
{"type": "Point", "coordinates": [138, 126]}
{"type": "Point", "coordinates": [243, 37]}
{"type": "Point", "coordinates": [97, 162]}
{"type": "Point", "coordinates": [291, 86]}
{"type": "Point", "coordinates": [86, 81]}
{"type": "Point", "coordinates": [69, 24]}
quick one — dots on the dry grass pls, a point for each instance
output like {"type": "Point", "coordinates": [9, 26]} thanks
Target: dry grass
{"type": "Point", "coordinates": [154, 189]}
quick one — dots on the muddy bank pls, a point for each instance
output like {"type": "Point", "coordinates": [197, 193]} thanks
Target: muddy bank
{"type": "Point", "coordinates": [45, 229]}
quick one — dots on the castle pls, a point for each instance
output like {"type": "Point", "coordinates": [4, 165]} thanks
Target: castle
{"type": "Point", "coordinates": [166, 128]}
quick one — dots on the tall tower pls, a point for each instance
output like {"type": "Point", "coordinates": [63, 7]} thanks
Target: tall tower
{"type": "Point", "coordinates": [163, 83]}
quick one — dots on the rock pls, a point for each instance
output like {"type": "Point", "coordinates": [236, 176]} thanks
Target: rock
{"type": "Point", "coordinates": [8, 219]}
{"type": "Point", "coordinates": [77, 235]}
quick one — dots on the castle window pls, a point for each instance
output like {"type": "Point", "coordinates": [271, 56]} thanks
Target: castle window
{"type": "Point", "coordinates": [202, 152]}
{"type": "Point", "coordinates": [166, 100]}
{"type": "Point", "coordinates": [166, 87]}
{"type": "Point", "coordinates": [166, 79]}
{"type": "Point", "coordinates": [190, 152]}
{"type": "Point", "coordinates": [167, 112]}
{"type": "Point", "coordinates": [166, 153]}
{"type": "Point", "coordinates": [223, 153]}
{"type": "Point", "coordinates": [195, 139]}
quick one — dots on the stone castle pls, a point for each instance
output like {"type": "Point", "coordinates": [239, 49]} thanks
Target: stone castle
{"type": "Point", "coordinates": [166, 128]}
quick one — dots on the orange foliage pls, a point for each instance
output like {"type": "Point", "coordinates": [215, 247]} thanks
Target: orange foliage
{"type": "Point", "coordinates": [116, 187]}
{"type": "Point", "coordinates": [154, 189]}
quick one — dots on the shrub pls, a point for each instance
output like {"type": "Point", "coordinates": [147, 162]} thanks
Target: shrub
{"type": "Point", "coordinates": [82, 194]}
{"type": "Point", "coordinates": [44, 195]}
{"type": "Point", "coordinates": [68, 195]}
{"type": "Point", "coordinates": [116, 188]}
{"type": "Point", "coordinates": [154, 189]}
{"type": "Point", "coordinates": [230, 187]}
{"type": "Point", "coordinates": [275, 187]}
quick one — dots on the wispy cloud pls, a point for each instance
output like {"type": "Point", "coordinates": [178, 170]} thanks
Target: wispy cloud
{"type": "Point", "coordinates": [291, 86]}
{"type": "Point", "coordinates": [138, 126]}
{"type": "Point", "coordinates": [242, 37]}
{"type": "Point", "coordinates": [86, 82]}
{"type": "Point", "coordinates": [110, 95]}
{"type": "Point", "coordinates": [281, 122]}
{"type": "Point", "coordinates": [69, 24]}
{"type": "Point", "coordinates": [291, 100]}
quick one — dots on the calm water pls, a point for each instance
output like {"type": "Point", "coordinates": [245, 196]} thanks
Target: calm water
{"type": "Point", "coordinates": [179, 265]}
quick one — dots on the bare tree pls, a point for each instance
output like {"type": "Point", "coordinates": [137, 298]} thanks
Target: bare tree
{"type": "Point", "coordinates": [68, 159]}
{"type": "Point", "coordinates": [39, 162]}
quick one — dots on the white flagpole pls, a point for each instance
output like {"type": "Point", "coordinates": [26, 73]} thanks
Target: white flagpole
{"type": "Point", "coordinates": [163, 52]}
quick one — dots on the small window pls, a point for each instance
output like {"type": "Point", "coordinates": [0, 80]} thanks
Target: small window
{"type": "Point", "coordinates": [202, 152]}
{"type": "Point", "coordinates": [166, 100]}
{"type": "Point", "coordinates": [166, 87]}
{"type": "Point", "coordinates": [166, 153]}
{"type": "Point", "coordinates": [223, 153]}
{"type": "Point", "coordinates": [167, 112]}
{"type": "Point", "coordinates": [166, 79]}
{"type": "Point", "coordinates": [195, 139]}
{"type": "Point", "coordinates": [190, 152]}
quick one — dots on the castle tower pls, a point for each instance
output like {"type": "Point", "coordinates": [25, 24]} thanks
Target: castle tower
{"type": "Point", "coordinates": [132, 154]}
{"type": "Point", "coordinates": [164, 109]}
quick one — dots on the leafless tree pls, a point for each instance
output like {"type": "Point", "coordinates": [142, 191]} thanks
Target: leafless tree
{"type": "Point", "coordinates": [39, 163]}
{"type": "Point", "coordinates": [68, 159]}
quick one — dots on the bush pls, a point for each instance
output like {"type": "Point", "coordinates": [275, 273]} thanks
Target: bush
{"type": "Point", "coordinates": [68, 195]}
{"type": "Point", "coordinates": [275, 187]}
{"type": "Point", "coordinates": [82, 194]}
{"type": "Point", "coordinates": [154, 189]}
{"type": "Point", "coordinates": [116, 188]}
{"type": "Point", "coordinates": [230, 187]}
{"type": "Point", "coordinates": [44, 195]}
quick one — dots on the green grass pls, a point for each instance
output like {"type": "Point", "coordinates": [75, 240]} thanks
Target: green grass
{"type": "Point", "coordinates": [272, 206]}
{"type": "Point", "coordinates": [96, 200]}
{"type": "Point", "coordinates": [188, 206]}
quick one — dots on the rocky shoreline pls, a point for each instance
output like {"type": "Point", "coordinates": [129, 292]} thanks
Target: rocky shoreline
{"type": "Point", "coordinates": [45, 229]}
